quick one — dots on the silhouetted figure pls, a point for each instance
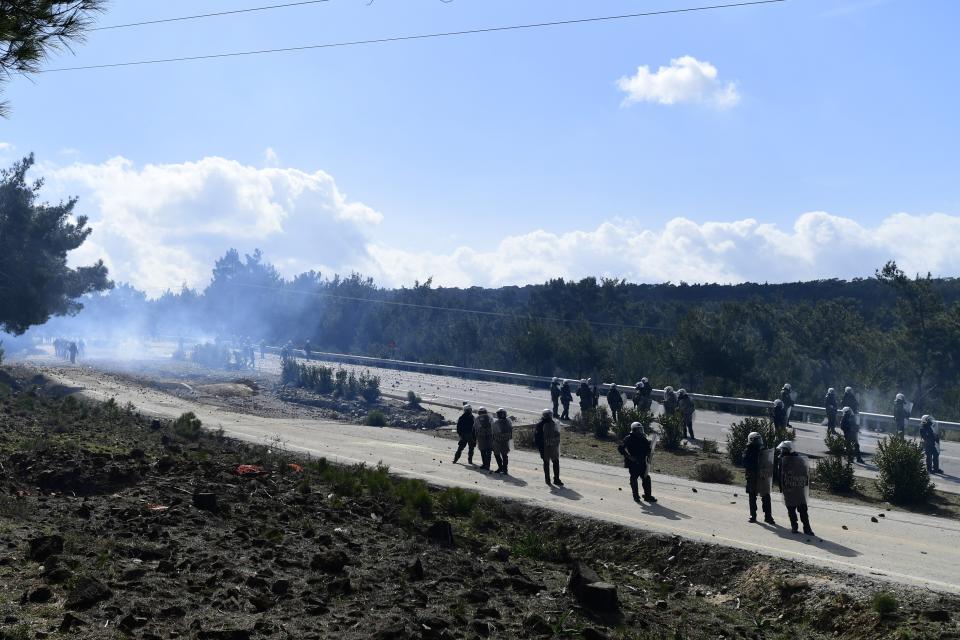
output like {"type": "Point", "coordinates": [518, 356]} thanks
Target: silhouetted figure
{"type": "Point", "coordinates": [830, 408]}
{"type": "Point", "coordinates": [686, 408]}
{"type": "Point", "coordinates": [502, 437]}
{"type": "Point", "coordinates": [555, 396]}
{"type": "Point", "coordinates": [851, 433]}
{"type": "Point", "coordinates": [586, 398]}
{"type": "Point", "coordinates": [483, 431]}
{"type": "Point", "coordinates": [465, 430]}
{"type": "Point", "coordinates": [930, 436]}
{"type": "Point", "coordinates": [73, 352]}
{"type": "Point", "coordinates": [643, 397]}
{"type": "Point", "coordinates": [636, 451]}
{"type": "Point", "coordinates": [758, 467]}
{"type": "Point", "coordinates": [566, 397]}
{"type": "Point", "coordinates": [794, 484]}
{"type": "Point", "coordinates": [614, 401]}
{"type": "Point", "coordinates": [546, 435]}
{"type": "Point", "coordinates": [900, 413]}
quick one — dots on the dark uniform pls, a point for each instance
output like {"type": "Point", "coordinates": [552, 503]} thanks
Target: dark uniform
{"type": "Point", "coordinates": [779, 415]}
{"type": "Point", "coordinates": [751, 467]}
{"type": "Point", "coordinates": [614, 401]}
{"type": "Point", "coordinates": [555, 397]}
{"type": "Point", "coordinates": [830, 408]}
{"type": "Point", "coordinates": [850, 400]}
{"type": "Point", "coordinates": [546, 436]}
{"type": "Point", "coordinates": [483, 431]}
{"type": "Point", "coordinates": [566, 397]}
{"type": "Point", "coordinates": [643, 398]}
{"type": "Point", "coordinates": [468, 438]}
{"type": "Point", "coordinates": [586, 398]}
{"type": "Point", "coordinates": [502, 437]}
{"type": "Point", "coordinates": [636, 450]}
{"type": "Point", "coordinates": [794, 480]}
{"type": "Point", "coordinates": [73, 352]}
{"type": "Point", "coordinates": [685, 405]}
{"type": "Point", "coordinates": [786, 394]}
{"type": "Point", "coordinates": [848, 424]}
{"type": "Point", "coordinates": [669, 401]}
{"type": "Point", "coordinates": [930, 441]}
{"type": "Point", "coordinates": [900, 413]}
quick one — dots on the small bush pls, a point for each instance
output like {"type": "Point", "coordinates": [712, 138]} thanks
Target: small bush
{"type": "Point", "coordinates": [188, 426]}
{"type": "Point", "coordinates": [375, 419]}
{"type": "Point", "coordinates": [903, 476]}
{"type": "Point", "coordinates": [377, 479]}
{"type": "Point", "coordinates": [837, 445]}
{"type": "Point", "coordinates": [415, 495]}
{"type": "Point", "coordinates": [535, 546]}
{"type": "Point", "coordinates": [671, 431]}
{"type": "Point", "coordinates": [884, 603]}
{"type": "Point", "coordinates": [835, 474]}
{"type": "Point", "coordinates": [413, 400]}
{"type": "Point", "coordinates": [369, 386]}
{"type": "Point", "coordinates": [627, 417]}
{"type": "Point", "coordinates": [737, 438]}
{"type": "Point", "coordinates": [712, 471]}
{"type": "Point", "coordinates": [598, 422]}
{"type": "Point", "coordinates": [523, 438]}
{"type": "Point", "coordinates": [458, 502]}
{"type": "Point", "coordinates": [710, 446]}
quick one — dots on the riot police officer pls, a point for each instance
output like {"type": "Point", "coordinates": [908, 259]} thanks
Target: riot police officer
{"type": "Point", "coordinates": [636, 451]}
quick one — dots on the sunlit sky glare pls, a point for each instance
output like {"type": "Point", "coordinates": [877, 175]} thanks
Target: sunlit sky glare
{"type": "Point", "coordinates": [804, 139]}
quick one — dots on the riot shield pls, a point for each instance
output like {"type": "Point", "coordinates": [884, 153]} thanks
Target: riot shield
{"type": "Point", "coordinates": [654, 438]}
{"type": "Point", "coordinates": [793, 396]}
{"type": "Point", "coordinates": [908, 407]}
{"type": "Point", "coordinates": [765, 473]}
{"type": "Point", "coordinates": [806, 473]}
{"type": "Point", "coordinates": [796, 479]}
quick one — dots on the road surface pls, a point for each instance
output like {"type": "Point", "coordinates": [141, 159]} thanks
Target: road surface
{"type": "Point", "coordinates": [902, 547]}
{"type": "Point", "coordinates": [527, 403]}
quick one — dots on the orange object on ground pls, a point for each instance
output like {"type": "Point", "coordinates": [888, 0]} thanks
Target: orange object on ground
{"type": "Point", "coordinates": [295, 467]}
{"type": "Point", "coordinates": [248, 470]}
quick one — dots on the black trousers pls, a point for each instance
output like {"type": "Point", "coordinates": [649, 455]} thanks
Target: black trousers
{"type": "Point", "coordinates": [640, 471]}
{"type": "Point", "coordinates": [556, 470]}
{"type": "Point", "coordinates": [764, 502]}
{"type": "Point", "coordinates": [503, 459]}
{"type": "Point", "coordinates": [566, 410]}
{"type": "Point", "coordinates": [804, 518]}
{"type": "Point", "coordinates": [933, 461]}
{"type": "Point", "coordinates": [461, 446]}
{"type": "Point", "coordinates": [688, 426]}
{"type": "Point", "coordinates": [556, 407]}
{"type": "Point", "coordinates": [485, 458]}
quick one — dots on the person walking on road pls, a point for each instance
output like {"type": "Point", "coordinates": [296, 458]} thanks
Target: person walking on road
{"type": "Point", "coordinates": [643, 397]}
{"type": "Point", "coordinates": [685, 405]}
{"type": "Point", "coordinates": [614, 401]}
{"type": "Point", "coordinates": [851, 433]}
{"type": "Point", "coordinates": [555, 396]}
{"type": "Point", "coordinates": [566, 397]}
{"type": "Point", "coordinates": [502, 437]}
{"type": "Point", "coordinates": [795, 486]}
{"type": "Point", "coordinates": [930, 436]}
{"type": "Point", "coordinates": [830, 408]}
{"type": "Point", "coordinates": [483, 430]}
{"type": "Point", "coordinates": [758, 465]}
{"type": "Point", "coordinates": [468, 438]}
{"type": "Point", "coordinates": [900, 413]}
{"type": "Point", "coordinates": [636, 451]}
{"type": "Point", "coordinates": [546, 436]}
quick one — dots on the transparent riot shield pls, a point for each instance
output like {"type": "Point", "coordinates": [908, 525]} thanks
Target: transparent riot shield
{"type": "Point", "coordinates": [796, 479]}
{"type": "Point", "coordinates": [654, 438]}
{"type": "Point", "coordinates": [806, 478]}
{"type": "Point", "coordinates": [765, 473]}
{"type": "Point", "coordinates": [908, 407]}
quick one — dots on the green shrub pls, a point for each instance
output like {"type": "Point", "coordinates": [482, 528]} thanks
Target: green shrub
{"type": "Point", "coordinates": [413, 400]}
{"type": "Point", "coordinates": [671, 431]}
{"type": "Point", "coordinates": [884, 603]}
{"type": "Point", "coordinates": [369, 386]}
{"type": "Point", "coordinates": [627, 417]}
{"type": "Point", "coordinates": [535, 546]}
{"type": "Point", "coordinates": [375, 419]}
{"type": "Point", "coordinates": [710, 446]}
{"type": "Point", "coordinates": [188, 426]}
{"type": "Point", "coordinates": [415, 495]}
{"type": "Point", "coordinates": [712, 471]}
{"type": "Point", "coordinates": [340, 382]}
{"type": "Point", "coordinates": [289, 371]}
{"type": "Point", "coordinates": [523, 438]}
{"type": "Point", "coordinates": [377, 479]}
{"type": "Point", "coordinates": [835, 474]}
{"type": "Point", "coordinates": [737, 438]}
{"type": "Point", "coordinates": [903, 476]}
{"type": "Point", "coordinates": [596, 421]}
{"type": "Point", "coordinates": [458, 502]}
{"type": "Point", "coordinates": [837, 445]}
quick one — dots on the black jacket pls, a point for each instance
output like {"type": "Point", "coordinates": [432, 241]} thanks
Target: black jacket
{"type": "Point", "coordinates": [637, 445]}
{"type": "Point", "coordinates": [554, 392]}
{"type": "Point", "coordinates": [850, 400]}
{"type": "Point", "coordinates": [465, 426]}
{"type": "Point", "coordinates": [565, 395]}
{"type": "Point", "coordinates": [614, 399]}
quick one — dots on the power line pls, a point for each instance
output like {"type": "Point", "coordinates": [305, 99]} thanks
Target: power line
{"type": "Point", "coordinates": [423, 36]}
{"type": "Point", "coordinates": [208, 15]}
{"type": "Point", "coordinates": [414, 305]}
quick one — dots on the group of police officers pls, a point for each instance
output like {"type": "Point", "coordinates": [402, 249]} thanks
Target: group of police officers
{"type": "Point", "coordinates": [763, 466]}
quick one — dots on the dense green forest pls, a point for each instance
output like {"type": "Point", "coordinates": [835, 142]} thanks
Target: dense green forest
{"type": "Point", "coordinates": [880, 335]}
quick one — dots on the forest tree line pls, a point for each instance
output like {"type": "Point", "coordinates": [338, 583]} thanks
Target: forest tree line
{"type": "Point", "coordinates": [882, 335]}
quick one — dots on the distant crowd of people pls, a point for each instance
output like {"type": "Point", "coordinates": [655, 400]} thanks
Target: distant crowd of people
{"type": "Point", "coordinates": [69, 349]}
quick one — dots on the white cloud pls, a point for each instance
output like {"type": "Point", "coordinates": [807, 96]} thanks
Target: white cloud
{"type": "Point", "coordinates": [270, 158]}
{"type": "Point", "coordinates": [819, 245]}
{"type": "Point", "coordinates": [6, 146]}
{"type": "Point", "coordinates": [685, 80]}
{"type": "Point", "coordinates": [161, 225]}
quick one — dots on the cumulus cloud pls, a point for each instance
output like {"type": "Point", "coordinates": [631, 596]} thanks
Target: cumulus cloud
{"type": "Point", "coordinates": [6, 146]}
{"type": "Point", "coordinates": [160, 225]}
{"type": "Point", "coordinates": [819, 245]}
{"type": "Point", "coordinates": [685, 80]}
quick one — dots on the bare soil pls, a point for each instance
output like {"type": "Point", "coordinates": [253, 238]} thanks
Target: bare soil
{"type": "Point", "coordinates": [112, 525]}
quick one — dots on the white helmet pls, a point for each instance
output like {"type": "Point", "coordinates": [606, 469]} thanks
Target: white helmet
{"type": "Point", "coordinates": [786, 446]}
{"type": "Point", "coordinates": [467, 408]}
{"type": "Point", "coordinates": [831, 391]}
{"type": "Point", "coordinates": [644, 380]}
{"type": "Point", "coordinates": [682, 392]}
{"type": "Point", "coordinates": [668, 389]}
{"type": "Point", "coordinates": [547, 413]}
{"type": "Point", "coordinates": [556, 380]}
{"type": "Point", "coordinates": [753, 436]}
{"type": "Point", "coordinates": [787, 386]}
{"type": "Point", "coordinates": [482, 410]}
{"type": "Point", "coordinates": [900, 396]}
{"type": "Point", "coordinates": [635, 426]}
{"type": "Point", "coordinates": [848, 390]}
{"type": "Point", "coordinates": [927, 419]}
{"type": "Point", "coordinates": [847, 410]}
{"type": "Point", "coordinates": [778, 402]}
{"type": "Point", "coordinates": [613, 386]}
{"type": "Point", "coordinates": [501, 413]}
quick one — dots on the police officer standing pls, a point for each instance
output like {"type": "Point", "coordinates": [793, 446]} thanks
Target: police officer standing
{"type": "Point", "coordinates": [483, 431]}
{"type": "Point", "coordinates": [636, 451]}
{"type": "Point", "coordinates": [779, 414]}
{"type": "Point", "coordinates": [830, 408]}
{"type": "Point", "coordinates": [566, 397]}
{"type": "Point", "coordinates": [555, 396]}
{"type": "Point", "coordinates": [931, 443]}
{"type": "Point", "coordinates": [586, 397]}
{"type": "Point", "coordinates": [502, 437]}
{"type": "Point", "coordinates": [759, 477]}
{"type": "Point", "coordinates": [614, 401]}
{"type": "Point", "coordinates": [685, 405]}
{"type": "Point", "coordinates": [669, 400]}
{"type": "Point", "coordinates": [851, 432]}
{"type": "Point", "coordinates": [643, 398]}
{"type": "Point", "coordinates": [546, 436]}
{"type": "Point", "coordinates": [794, 483]}
{"type": "Point", "coordinates": [786, 394]}
{"type": "Point", "coordinates": [900, 413]}
{"type": "Point", "coordinates": [468, 438]}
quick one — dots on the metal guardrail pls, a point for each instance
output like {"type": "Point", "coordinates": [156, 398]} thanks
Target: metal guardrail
{"type": "Point", "coordinates": [866, 418]}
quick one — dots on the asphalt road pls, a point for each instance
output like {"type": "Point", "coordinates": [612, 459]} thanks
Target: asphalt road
{"type": "Point", "coordinates": [527, 403]}
{"type": "Point", "coordinates": [899, 546]}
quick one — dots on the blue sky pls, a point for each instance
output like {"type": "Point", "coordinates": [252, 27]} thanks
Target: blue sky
{"type": "Point", "coordinates": [485, 148]}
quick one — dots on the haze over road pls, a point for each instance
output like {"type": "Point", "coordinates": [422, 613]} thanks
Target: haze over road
{"type": "Point", "coordinates": [527, 403]}
{"type": "Point", "coordinates": [903, 547]}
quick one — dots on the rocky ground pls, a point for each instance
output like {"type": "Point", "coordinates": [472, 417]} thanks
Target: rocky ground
{"type": "Point", "coordinates": [112, 525]}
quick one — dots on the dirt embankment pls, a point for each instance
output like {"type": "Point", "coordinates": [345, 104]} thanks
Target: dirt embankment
{"type": "Point", "coordinates": [116, 526]}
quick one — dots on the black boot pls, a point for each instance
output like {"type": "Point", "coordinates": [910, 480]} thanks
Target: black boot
{"type": "Point", "coordinates": [546, 472]}
{"type": "Point", "coordinates": [506, 463]}
{"type": "Point", "coordinates": [635, 488]}
{"type": "Point", "coordinates": [648, 489]}
{"type": "Point", "coordinates": [556, 473]}
{"type": "Point", "coordinates": [499, 462]}
{"type": "Point", "coordinates": [767, 510]}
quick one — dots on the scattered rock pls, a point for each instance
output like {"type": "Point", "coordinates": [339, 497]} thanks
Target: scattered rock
{"type": "Point", "coordinates": [87, 592]}
{"type": "Point", "coordinates": [441, 532]}
{"type": "Point", "coordinates": [415, 569]}
{"type": "Point", "coordinates": [38, 595]}
{"type": "Point", "coordinates": [499, 552]}
{"type": "Point", "coordinates": [594, 594]}
{"type": "Point", "coordinates": [937, 615]}
{"type": "Point", "coordinates": [332, 561]}
{"type": "Point", "coordinates": [280, 587]}
{"type": "Point", "coordinates": [873, 519]}
{"type": "Point", "coordinates": [536, 624]}
{"type": "Point", "coordinates": [70, 622]}
{"type": "Point", "coordinates": [45, 546]}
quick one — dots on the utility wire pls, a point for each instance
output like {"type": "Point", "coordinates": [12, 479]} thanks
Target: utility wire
{"type": "Point", "coordinates": [414, 305]}
{"type": "Point", "coordinates": [423, 36]}
{"type": "Point", "coordinates": [207, 15]}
